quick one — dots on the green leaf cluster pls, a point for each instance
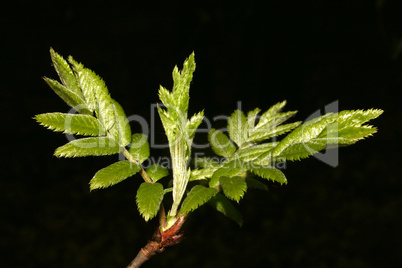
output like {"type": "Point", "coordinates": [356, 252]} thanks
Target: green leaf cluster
{"type": "Point", "coordinates": [106, 130]}
{"type": "Point", "coordinates": [247, 151]}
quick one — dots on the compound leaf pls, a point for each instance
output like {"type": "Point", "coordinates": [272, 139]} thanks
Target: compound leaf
{"type": "Point", "coordinates": [149, 199]}
{"type": "Point", "coordinates": [139, 147]}
{"type": "Point", "coordinates": [198, 196]}
{"type": "Point", "coordinates": [113, 174]}
{"type": "Point", "coordinates": [70, 123]}
{"type": "Point", "coordinates": [223, 205]}
{"type": "Point", "coordinates": [157, 172]}
{"type": "Point", "coordinates": [233, 187]}
{"type": "Point", "coordinates": [220, 143]}
{"type": "Point", "coordinates": [87, 147]}
{"type": "Point", "coordinates": [327, 131]}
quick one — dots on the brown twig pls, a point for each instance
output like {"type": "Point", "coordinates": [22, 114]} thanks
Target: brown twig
{"type": "Point", "coordinates": [160, 240]}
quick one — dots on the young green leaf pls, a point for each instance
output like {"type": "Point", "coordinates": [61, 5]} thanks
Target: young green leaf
{"type": "Point", "coordinates": [342, 128]}
{"type": "Point", "coordinates": [193, 125]}
{"type": "Point", "coordinates": [181, 83]}
{"type": "Point", "coordinates": [113, 174]}
{"type": "Point", "coordinates": [238, 127]}
{"type": "Point", "coordinates": [65, 73]}
{"type": "Point", "coordinates": [250, 153]}
{"type": "Point", "coordinates": [72, 98]}
{"type": "Point", "coordinates": [95, 93]}
{"type": "Point", "coordinates": [70, 123]}
{"type": "Point", "coordinates": [233, 187]}
{"type": "Point", "coordinates": [298, 151]}
{"type": "Point", "coordinates": [270, 173]}
{"type": "Point", "coordinates": [268, 115]}
{"type": "Point", "coordinates": [251, 120]}
{"type": "Point", "coordinates": [223, 205]}
{"type": "Point", "coordinates": [120, 131]}
{"type": "Point", "coordinates": [179, 130]}
{"type": "Point", "coordinates": [139, 147]}
{"type": "Point", "coordinates": [349, 128]}
{"type": "Point", "coordinates": [268, 131]}
{"type": "Point", "coordinates": [230, 169]}
{"type": "Point", "coordinates": [87, 147]}
{"type": "Point", "coordinates": [198, 196]}
{"type": "Point", "coordinates": [220, 143]}
{"type": "Point", "coordinates": [149, 199]}
{"type": "Point", "coordinates": [202, 174]}
{"type": "Point", "coordinates": [206, 162]}
{"type": "Point", "coordinates": [157, 172]}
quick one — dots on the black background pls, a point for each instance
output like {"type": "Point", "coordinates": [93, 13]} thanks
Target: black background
{"type": "Point", "coordinates": [307, 52]}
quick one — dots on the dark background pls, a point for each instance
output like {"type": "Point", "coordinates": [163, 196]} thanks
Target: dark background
{"type": "Point", "coordinates": [307, 52]}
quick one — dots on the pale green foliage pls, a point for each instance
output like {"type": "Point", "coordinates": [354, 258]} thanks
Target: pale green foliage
{"type": "Point", "coordinates": [198, 196]}
{"type": "Point", "coordinates": [88, 147]}
{"type": "Point", "coordinates": [99, 116]}
{"type": "Point", "coordinates": [80, 124]}
{"type": "Point", "coordinates": [245, 152]}
{"type": "Point", "coordinates": [330, 130]}
{"type": "Point", "coordinates": [139, 147]}
{"type": "Point", "coordinates": [149, 199]}
{"type": "Point", "coordinates": [113, 174]}
{"type": "Point", "coordinates": [72, 98]}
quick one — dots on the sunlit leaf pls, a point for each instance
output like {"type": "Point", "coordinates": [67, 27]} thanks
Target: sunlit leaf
{"type": "Point", "coordinates": [70, 123]}
{"type": "Point", "coordinates": [95, 93]}
{"type": "Point", "coordinates": [238, 127]}
{"type": "Point", "coordinates": [198, 196]}
{"type": "Point", "coordinates": [88, 147]}
{"type": "Point", "coordinates": [72, 98]}
{"type": "Point", "coordinates": [220, 143]}
{"type": "Point", "coordinates": [149, 199]}
{"type": "Point", "coordinates": [202, 173]}
{"type": "Point", "coordinates": [270, 173]}
{"type": "Point", "coordinates": [65, 73]}
{"type": "Point", "coordinates": [233, 187]}
{"type": "Point", "coordinates": [157, 172]}
{"type": "Point", "coordinates": [139, 147]}
{"type": "Point", "coordinates": [113, 174]}
{"type": "Point", "coordinates": [120, 131]}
